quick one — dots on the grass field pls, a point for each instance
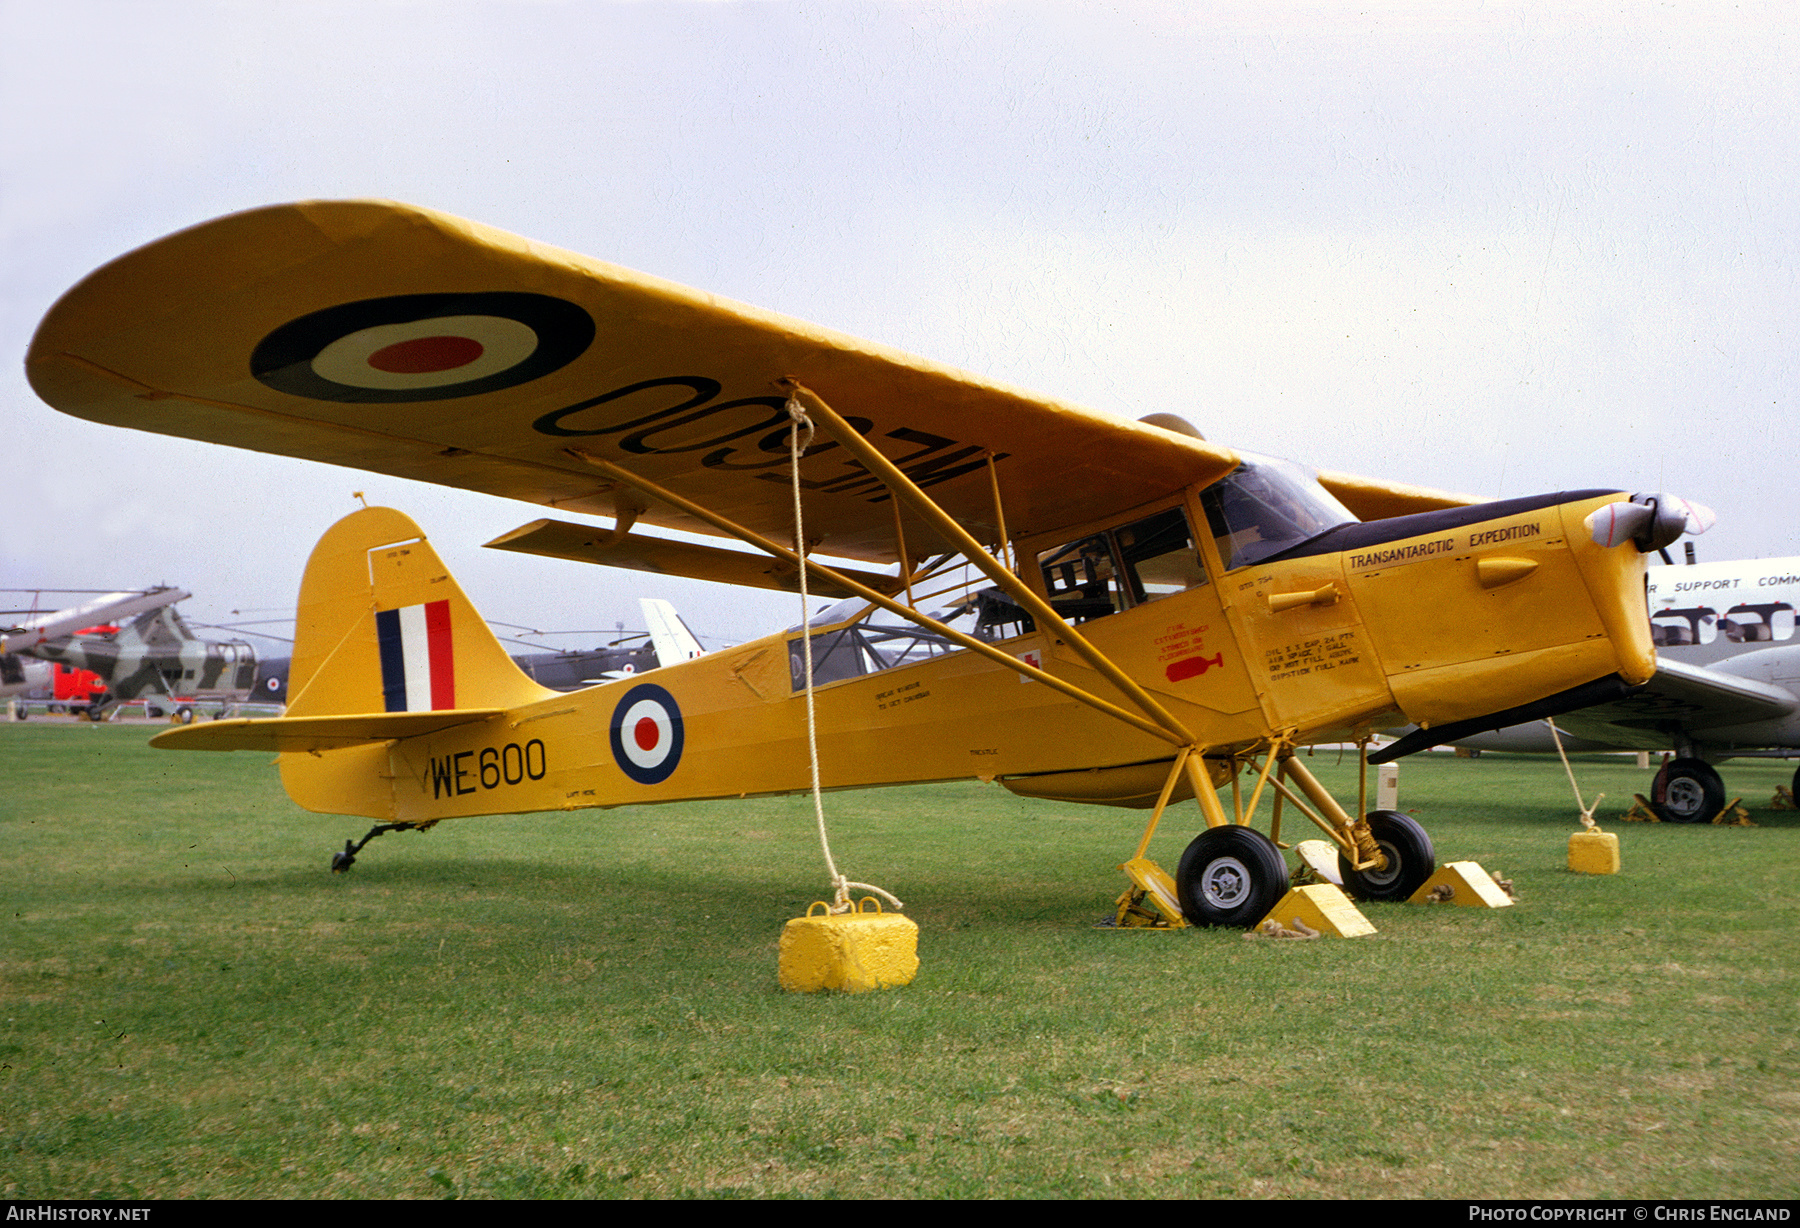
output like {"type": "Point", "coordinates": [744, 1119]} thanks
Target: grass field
{"type": "Point", "coordinates": [585, 1005]}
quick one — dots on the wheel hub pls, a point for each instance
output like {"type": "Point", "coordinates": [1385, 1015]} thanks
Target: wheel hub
{"type": "Point", "coordinates": [1382, 877]}
{"type": "Point", "coordinates": [1225, 882]}
{"type": "Point", "coordinates": [1684, 796]}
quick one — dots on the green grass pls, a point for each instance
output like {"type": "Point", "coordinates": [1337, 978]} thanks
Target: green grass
{"type": "Point", "coordinates": [585, 1005]}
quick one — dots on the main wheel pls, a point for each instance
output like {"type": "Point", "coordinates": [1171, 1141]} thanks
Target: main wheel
{"type": "Point", "coordinates": [1687, 791]}
{"type": "Point", "coordinates": [1230, 876]}
{"type": "Point", "coordinates": [1410, 859]}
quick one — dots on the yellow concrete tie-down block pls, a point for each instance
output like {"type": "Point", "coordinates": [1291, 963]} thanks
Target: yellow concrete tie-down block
{"type": "Point", "coordinates": [1461, 882]}
{"type": "Point", "coordinates": [854, 951]}
{"type": "Point", "coordinates": [1594, 852]}
{"type": "Point", "coordinates": [1323, 908]}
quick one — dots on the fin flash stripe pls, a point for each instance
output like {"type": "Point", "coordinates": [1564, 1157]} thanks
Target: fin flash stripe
{"type": "Point", "coordinates": [418, 667]}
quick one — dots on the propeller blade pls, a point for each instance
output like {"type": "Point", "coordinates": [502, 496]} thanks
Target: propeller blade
{"type": "Point", "coordinates": [1617, 523]}
{"type": "Point", "coordinates": [1651, 521]}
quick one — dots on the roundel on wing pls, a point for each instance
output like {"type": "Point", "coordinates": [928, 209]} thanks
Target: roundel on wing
{"type": "Point", "coordinates": [647, 734]}
{"type": "Point", "coordinates": [422, 347]}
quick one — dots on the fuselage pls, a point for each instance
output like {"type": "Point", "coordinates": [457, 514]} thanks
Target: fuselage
{"type": "Point", "coordinates": [1236, 632]}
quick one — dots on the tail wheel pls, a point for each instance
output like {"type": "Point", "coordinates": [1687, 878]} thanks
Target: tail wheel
{"type": "Point", "coordinates": [1230, 876]}
{"type": "Point", "coordinates": [1687, 791]}
{"type": "Point", "coordinates": [1410, 859]}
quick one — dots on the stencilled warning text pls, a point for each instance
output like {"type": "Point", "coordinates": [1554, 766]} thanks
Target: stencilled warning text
{"type": "Point", "coordinates": [1314, 656]}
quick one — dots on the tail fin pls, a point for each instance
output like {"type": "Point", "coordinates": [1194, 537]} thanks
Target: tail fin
{"type": "Point", "coordinates": [383, 627]}
{"type": "Point", "coordinates": [673, 641]}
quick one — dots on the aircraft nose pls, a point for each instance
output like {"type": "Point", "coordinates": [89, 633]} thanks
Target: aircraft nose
{"type": "Point", "coordinates": [1649, 521]}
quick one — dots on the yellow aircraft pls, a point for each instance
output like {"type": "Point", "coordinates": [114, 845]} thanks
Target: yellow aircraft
{"type": "Point", "coordinates": [1075, 605]}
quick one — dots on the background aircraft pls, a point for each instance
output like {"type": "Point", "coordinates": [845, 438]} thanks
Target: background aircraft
{"type": "Point", "coordinates": [99, 664]}
{"type": "Point", "coordinates": [58, 683]}
{"type": "Point", "coordinates": [1727, 683]}
{"type": "Point", "coordinates": [667, 641]}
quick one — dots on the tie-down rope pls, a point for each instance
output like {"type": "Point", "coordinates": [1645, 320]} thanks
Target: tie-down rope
{"type": "Point", "coordinates": [1587, 812]}
{"type": "Point", "coordinates": [840, 885]}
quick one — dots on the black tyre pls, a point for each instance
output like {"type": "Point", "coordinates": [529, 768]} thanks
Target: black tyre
{"type": "Point", "coordinates": [184, 715]}
{"type": "Point", "coordinates": [1410, 859]}
{"type": "Point", "coordinates": [1230, 876]}
{"type": "Point", "coordinates": [1687, 791]}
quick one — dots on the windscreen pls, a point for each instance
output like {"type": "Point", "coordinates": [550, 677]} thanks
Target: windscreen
{"type": "Point", "coordinates": [1264, 506]}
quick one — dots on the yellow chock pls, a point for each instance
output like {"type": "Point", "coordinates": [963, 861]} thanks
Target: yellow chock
{"type": "Point", "coordinates": [854, 951]}
{"type": "Point", "coordinates": [1733, 815]}
{"type": "Point", "coordinates": [1321, 907]}
{"type": "Point", "coordinates": [1320, 861]}
{"type": "Point", "coordinates": [1461, 882]}
{"type": "Point", "coordinates": [1149, 903]}
{"type": "Point", "coordinates": [1594, 852]}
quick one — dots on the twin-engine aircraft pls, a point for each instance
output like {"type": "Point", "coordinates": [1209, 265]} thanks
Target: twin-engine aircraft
{"type": "Point", "coordinates": [1077, 606]}
{"type": "Point", "coordinates": [1727, 683]}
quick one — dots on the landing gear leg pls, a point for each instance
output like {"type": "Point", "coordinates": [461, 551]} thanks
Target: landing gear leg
{"type": "Point", "coordinates": [1408, 853]}
{"type": "Point", "coordinates": [341, 862]}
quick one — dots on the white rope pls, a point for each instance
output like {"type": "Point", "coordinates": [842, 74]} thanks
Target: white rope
{"type": "Point", "coordinates": [1587, 812]}
{"type": "Point", "coordinates": [840, 885]}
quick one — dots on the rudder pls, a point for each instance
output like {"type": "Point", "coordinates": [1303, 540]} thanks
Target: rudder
{"type": "Point", "coordinates": [382, 626]}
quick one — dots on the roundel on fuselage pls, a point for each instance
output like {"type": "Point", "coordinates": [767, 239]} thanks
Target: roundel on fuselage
{"type": "Point", "coordinates": [647, 734]}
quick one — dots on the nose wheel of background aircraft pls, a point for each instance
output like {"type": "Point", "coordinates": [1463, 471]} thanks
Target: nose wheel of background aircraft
{"type": "Point", "coordinates": [1410, 859]}
{"type": "Point", "coordinates": [1230, 875]}
{"type": "Point", "coordinates": [1687, 791]}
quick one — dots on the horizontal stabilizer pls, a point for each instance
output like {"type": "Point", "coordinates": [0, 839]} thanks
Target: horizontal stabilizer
{"type": "Point", "coordinates": [314, 733]}
{"type": "Point", "coordinates": [558, 539]}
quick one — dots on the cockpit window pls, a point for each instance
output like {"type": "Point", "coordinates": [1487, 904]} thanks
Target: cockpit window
{"type": "Point", "coordinates": [1264, 506]}
{"type": "Point", "coordinates": [1082, 579]}
{"type": "Point", "coordinates": [1127, 566]}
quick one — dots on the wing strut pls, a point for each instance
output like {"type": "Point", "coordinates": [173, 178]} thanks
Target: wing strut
{"type": "Point", "coordinates": [1045, 614]}
{"type": "Point", "coordinates": [753, 538]}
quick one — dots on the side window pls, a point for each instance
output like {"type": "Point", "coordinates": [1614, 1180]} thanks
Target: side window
{"type": "Point", "coordinates": [1081, 579]}
{"type": "Point", "coordinates": [1672, 628]}
{"type": "Point", "coordinates": [1158, 555]}
{"type": "Point", "coordinates": [1127, 566]}
{"type": "Point", "coordinates": [1758, 624]}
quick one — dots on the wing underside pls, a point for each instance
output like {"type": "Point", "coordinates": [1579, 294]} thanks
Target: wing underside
{"type": "Point", "coordinates": [1680, 696]}
{"type": "Point", "coordinates": [396, 339]}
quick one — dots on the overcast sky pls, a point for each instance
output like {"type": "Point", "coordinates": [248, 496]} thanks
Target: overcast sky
{"type": "Point", "coordinates": [1499, 248]}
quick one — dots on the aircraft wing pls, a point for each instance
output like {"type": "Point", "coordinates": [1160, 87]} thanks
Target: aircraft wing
{"type": "Point", "coordinates": [1374, 499]}
{"type": "Point", "coordinates": [311, 733]}
{"type": "Point", "coordinates": [1693, 697]}
{"type": "Point", "coordinates": [393, 338]}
